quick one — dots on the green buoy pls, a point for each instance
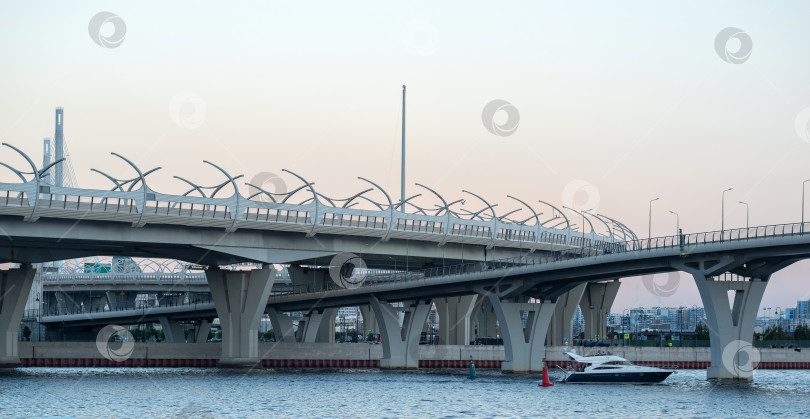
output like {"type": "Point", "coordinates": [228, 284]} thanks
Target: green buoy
{"type": "Point", "coordinates": [472, 370]}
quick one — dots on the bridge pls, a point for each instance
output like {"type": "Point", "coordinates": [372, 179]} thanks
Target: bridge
{"type": "Point", "coordinates": [517, 268]}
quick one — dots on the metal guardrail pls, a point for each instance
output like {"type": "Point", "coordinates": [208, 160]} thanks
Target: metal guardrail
{"type": "Point", "coordinates": [33, 199]}
{"type": "Point", "coordinates": [684, 242]}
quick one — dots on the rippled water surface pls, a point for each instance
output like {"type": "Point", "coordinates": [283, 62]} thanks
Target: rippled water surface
{"type": "Point", "coordinates": [131, 392]}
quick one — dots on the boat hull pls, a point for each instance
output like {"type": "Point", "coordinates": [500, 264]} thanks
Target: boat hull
{"type": "Point", "coordinates": [618, 377]}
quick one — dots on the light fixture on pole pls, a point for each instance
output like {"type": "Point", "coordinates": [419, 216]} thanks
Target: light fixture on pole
{"type": "Point", "coordinates": [746, 214]}
{"type": "Point", "coordinates": [723, 212]}
{"type": "Point", "coordinates": [677, 222]}
{"type": "Point", "coordinates": [649, 224]}
{"type": "Point", "coordinates": [802, 226]}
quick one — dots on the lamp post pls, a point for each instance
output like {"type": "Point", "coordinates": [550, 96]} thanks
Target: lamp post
{"type": "Point", "coordinates": [649, 223]}
{"type": "Point", "coordinates": [677, 222]}
{"type": "Point", "coordinates": [746, 215]}
{"type": "Point", "coordinates": [802, 226]}
{"type": "Point", "coordinates": [723, 212]}
{"type": "Point", "coordinates": [778, 313]}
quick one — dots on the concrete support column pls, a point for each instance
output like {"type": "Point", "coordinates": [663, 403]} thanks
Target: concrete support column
{"type": "Point", "coordinates": [282, 326]}
{"type": "Point", "coordinates": [483, 320]}
{"type": "Point", "coordinates": [595, 304]}
{"type": "Point", "coordinates": [173, 331]}
{"type": "Point", "coordinates": [369, 320]}
{"type": "Point", "coordinates": [524, 348]}
{"type": "Point", "coordinates": [117, 301]}
{"type": "Point", "coordinates": [561, 330]}
{"type": "Point", "coordinates": [400, 342]}
{"type": "Point", "coordinates": [201, 331]}
{"type": "Point", "coordinates": [318, 326]}
{"type": "Point", "coordinates": [454, 319]}
{"type": "Point", "coordinates": [15, 285]}
{"type": "Point", "coordinates": [731, 329]}
{"type": "Point", "coordinates": [240, 298]}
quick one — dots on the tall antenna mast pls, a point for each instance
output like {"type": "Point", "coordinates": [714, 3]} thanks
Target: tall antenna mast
{"type": "Point", "coordinates": [402, 189]}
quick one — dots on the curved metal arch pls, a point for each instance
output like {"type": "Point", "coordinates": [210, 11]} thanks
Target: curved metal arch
{"type": "Point", "coordinates": [439, 208]}
{"type": "Point", "coordinates": [194, 187]}
{"type": "Point", "coordinates": [390, 206]}
{"type": "Point", "coordinates": [235, 213]}
{"type": "Point", "coordinates": [135, 181]}
{"type": "Point", "coordinates": [491, 207]}
{"type": "Point", "coordinates": [217, 188]}
{"type": "Point", "coordinates": [328, 199]}
{"type": "Point", "coordinates": [552, 219]}
{"type": "Point", "coordinates": [37, 179]}
{"type": "Point", "coordinates": [610, 231]}
{"type": "Point", "coordinates": [617, 227]}
{"type": "Point", "coordinates": [508, 213]}
{"type": "Point", "coordinates": [401, 204]}
{"type": "Point", "coordinates": [536, 220]}
{"type": "Point", "coordinates": [119, 185]}
{"type": "Point", "coordinates": [144, 186]}
{"type": "Point", "coordinates": [262, 191]}
{"type": "Point", "coordinates": [379, 206]}
{"type": "Point", "coordinates": [45, 169]}
{"type": "Point", "coordinates": [619, 223]}
{"type": "Point", "coordinates": [488, 205]}
{"type": "Point", "coordinates": [25, 156]}
{"type": "Point", "coordinates": [593, 233]}
{"type": "Point", "coordinates": [353, 197]}
{"type": "Point", "coordinates": [567, 222]}
{"type": "Point", "coordinates": [474, 215]}
{"type": "Point", "coordinates": [17, 172]}
{"type": "Point", "coordinates": [314, 198]}
{"type": "Point", "coordinates": [293, 192]}
{"type": "Point", "coordinates": [447, 223]}
{"type": "Point", "coordinates": [387, 197]}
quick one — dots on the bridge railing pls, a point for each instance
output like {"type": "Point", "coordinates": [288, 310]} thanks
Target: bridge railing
{"type": "Point", "coordinates": [142, 206]}
{"type": "Point", "coordinates": [684, 241]}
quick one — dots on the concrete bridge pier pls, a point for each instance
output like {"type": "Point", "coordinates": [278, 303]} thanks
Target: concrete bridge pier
{"type": "Point", "coordinates": [731, 328]}
{"type": "Point", "coordinates": [595, 304]}
{"type": "Point", "coordinates": [318, 326]}
{"type": "Point", "coordinates": [454, 319]}
{"type": "Point", "coordinates": [484, 321]}
{"type": "Point", "coordinates": [240, 298]}
{"type": "Point", "coordinates": [400, 343]}
{"type": "Point", "coordinates": [369, 320]}
{"type": "Point", "coordinates": [200, 332]}
{"type": "Point", "coordinates": [561, 330]}
{"type": "Point", "coordinates": [524, 348]}
{"type": "Point", "coordinates": [15, 285]}
{"type": "Point", "coordinates": [173, 331]}
{"type": "Point", "coordinates": [282, 326]}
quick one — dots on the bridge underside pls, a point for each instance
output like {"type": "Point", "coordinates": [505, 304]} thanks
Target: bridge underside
{"type": "Point", "coordinates": [54, 239]}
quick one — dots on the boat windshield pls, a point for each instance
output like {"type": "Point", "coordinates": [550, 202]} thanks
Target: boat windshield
{"type": "Point", "coordinates": [625, 362]}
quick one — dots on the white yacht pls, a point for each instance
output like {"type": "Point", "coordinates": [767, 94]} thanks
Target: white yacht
{"type": "Point", "coordinates": [612, 369]}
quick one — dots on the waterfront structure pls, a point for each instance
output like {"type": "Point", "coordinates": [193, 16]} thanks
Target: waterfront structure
{"type": "Point", "coordinates": [440, 253]}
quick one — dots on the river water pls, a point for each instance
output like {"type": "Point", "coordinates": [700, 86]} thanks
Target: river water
{"type": "Point", "coordinates": [197, 392]}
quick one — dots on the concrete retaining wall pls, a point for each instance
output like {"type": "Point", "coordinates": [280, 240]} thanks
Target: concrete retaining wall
{"type": "Point", "coordinates": [363, 355]}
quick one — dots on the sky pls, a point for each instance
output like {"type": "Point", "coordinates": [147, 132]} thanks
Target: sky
{"type": "Point", "coordinates": [617, 103]}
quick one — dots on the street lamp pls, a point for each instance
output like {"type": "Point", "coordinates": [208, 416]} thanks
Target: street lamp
{"type": "Point", "coordinates": [802, 226]}
{"type": "Point", "coordinates": [746, 215]}
{"type": "Point", "coordinates": [723, 212]}
{"type": "Point", "coordinates": [677, 222]}
{"type": "Point", "coordinates": [649, 224]}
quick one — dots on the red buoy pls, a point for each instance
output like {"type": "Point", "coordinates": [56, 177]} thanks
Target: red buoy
{"type": "Point", "coordinates": [546, 382]}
